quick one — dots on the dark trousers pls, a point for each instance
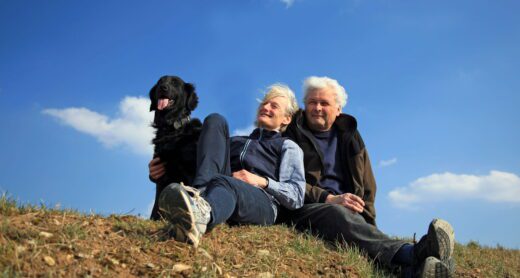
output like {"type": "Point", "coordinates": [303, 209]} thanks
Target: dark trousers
{"type": "Point", "coordinates": [231, 200]}
{"type": "Point", "coordinates": [336, 223]}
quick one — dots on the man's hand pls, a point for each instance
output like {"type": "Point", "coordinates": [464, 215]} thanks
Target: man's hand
{"type": "Point", "coordinates": [250, 178]}
{"type": "Point", "coordinates": [350, 201]}
{"type": "Point", "coordinates": [156, 168]}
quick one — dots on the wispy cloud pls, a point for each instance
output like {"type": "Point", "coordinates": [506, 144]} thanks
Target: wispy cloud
{"type": "Point", "coordinates": [389, 162]}
{"type": "Point", "coordinates": [496, 187]}
{"type": "Point", "coordinates": [243, 131]}
{"type": "Point", "coordinates": [288, 3]}
{"type": "Point", "coordinates": [468, 75]}
{"type": "Point", "coordinates": [131, 128]}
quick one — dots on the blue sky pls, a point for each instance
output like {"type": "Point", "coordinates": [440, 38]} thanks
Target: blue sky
{"type": "Point", "coordinates": [434, 86]}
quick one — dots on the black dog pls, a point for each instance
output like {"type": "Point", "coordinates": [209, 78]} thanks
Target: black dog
{"type": "Point", "coordinates": [177, 134]}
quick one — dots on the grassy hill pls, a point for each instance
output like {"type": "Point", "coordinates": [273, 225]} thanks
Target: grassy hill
{"type": "Point", "coordinates": [37, 241]}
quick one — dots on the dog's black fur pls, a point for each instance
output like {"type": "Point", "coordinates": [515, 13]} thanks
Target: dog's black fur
{"type": "Point", "coordinates": [177, 135]}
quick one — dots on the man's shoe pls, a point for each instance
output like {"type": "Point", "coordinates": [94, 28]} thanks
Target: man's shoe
{"type": "Point", "coordinates": [187, 212]}
{"type": "Point", "coordinates": [434, 268]}
{"type": "Point", "coordinates": [439, 242]}
{"type": "Point", "coordinates": [431, 267]}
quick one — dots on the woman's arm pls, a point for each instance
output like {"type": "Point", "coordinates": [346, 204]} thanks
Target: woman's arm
{"type": "Point", "coordinates": [289, 191]}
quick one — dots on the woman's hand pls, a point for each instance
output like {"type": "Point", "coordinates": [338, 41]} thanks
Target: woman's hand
{"type": "Point", "coordinates": [250, 178]}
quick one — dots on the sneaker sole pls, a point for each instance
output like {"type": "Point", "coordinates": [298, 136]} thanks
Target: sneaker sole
{"type": "Point", "coordinates": [176, 202]}
{"type": "Point", "coordinates": [433, 268]}
{"type": "Point", "coordinates": [443, 234]}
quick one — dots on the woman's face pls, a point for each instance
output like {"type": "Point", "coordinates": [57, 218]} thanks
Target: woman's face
{"type": "Point", "coordinates": [271, 113]}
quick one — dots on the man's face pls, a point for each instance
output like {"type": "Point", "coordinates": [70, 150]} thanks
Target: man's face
{"type": "Point", "coordinates": [271, 113]}
{"type": "Point", "coordinates": [321, 109]}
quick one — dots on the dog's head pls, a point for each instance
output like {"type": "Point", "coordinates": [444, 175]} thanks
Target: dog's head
{"type": "Point", "coordinates": [173, 96]}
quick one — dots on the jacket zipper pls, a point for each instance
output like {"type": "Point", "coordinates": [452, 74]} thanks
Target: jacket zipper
{"type": "Point", "coordinates": [246, 145]}
{"type": "Point", "coordinates": [347, 162]}
{"type": "Point", "coordinates": [243, 153]}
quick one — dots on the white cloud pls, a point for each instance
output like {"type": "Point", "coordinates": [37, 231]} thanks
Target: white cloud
{"type": "Point", "coordinates": [288, 3]}
{"type": "Point", "coordinates": [243, 131]}
{"type": "Point", "coordinates": [496, 187]}
{"type": "Point", "coordinates": [130, 129]}
{"type": "Point", "coordinates": [386, 163]}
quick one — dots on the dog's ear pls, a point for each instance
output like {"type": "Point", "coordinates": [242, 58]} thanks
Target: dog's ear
{"type": "Point", "coordinates": [192, 100]}
{"type": "Point", "coordinates": [153, 98]}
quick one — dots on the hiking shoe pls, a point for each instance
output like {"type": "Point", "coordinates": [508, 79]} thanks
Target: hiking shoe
{"type": "Point", "coordinates": [431, 267]}
{"type": "Point", "coordinates": [438, 242]}
{"type": "Point", "coordinates": [434, 268]}
{"type": "Point", "coordinates": [187, 212]}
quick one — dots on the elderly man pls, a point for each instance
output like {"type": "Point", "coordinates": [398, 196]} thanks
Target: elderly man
{"type": "Point", "coordinates": [341, 188]}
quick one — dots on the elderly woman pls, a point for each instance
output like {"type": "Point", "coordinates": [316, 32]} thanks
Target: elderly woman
{"type": "Point", "coordinates": [242, 179]}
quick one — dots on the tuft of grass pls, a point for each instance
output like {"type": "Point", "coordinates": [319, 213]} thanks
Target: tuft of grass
{"type": "Point", "coordinates": [473, 244]}
{"type": "Point", "coordinates": [7, 205]}
{"type": "Point", "coordinates": [73, 231]}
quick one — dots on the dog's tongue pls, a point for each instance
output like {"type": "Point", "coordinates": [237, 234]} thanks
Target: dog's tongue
{"type": "Point", "coordinates": [163, 102]}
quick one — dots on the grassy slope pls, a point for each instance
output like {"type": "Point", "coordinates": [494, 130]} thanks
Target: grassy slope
{"type": "Point", "coordinates": [46, 242]}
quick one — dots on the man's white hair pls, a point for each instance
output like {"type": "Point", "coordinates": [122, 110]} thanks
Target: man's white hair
{"type": "Point", "coordinates": [316, 83]}
{"type": "Point", "coordinates": [282, 90]}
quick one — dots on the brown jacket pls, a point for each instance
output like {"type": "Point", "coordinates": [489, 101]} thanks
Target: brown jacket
{"type": "Point", "coordinates": [354, 155]}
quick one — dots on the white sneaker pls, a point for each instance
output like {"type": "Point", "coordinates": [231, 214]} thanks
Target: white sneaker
{"type": "Point", "coordinates": [187, 212]}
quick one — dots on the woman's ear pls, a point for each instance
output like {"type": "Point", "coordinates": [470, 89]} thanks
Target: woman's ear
{"type": "Point", "coordinates": [287, 120]}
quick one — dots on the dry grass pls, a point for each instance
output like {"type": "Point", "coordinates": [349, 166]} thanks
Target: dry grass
{"type": "Point", "coordinates": [474, 260]}
{"type": "Point", "coordinates": [37, 241]}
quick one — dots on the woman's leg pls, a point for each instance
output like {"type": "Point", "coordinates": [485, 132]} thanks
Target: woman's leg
{"type": "Point", "coordinates": [237, 202]}
{"type": "Point", "coordinates": [212, 150]}
{"type": "Point", "coordinates": [225, 199]}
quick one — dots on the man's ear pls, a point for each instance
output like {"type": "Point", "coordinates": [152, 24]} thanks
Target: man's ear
{"type": "Point", "coordinates": [192, 99]}
{"type": "Point", "coordinates": [153, 98]}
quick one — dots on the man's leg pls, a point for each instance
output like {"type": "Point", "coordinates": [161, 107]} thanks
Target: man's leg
{"type": "Point", "coordinates": [430, 257]}
{"type": "Point", "coordinates": [235, 201]}
{"type": "Point", "coordinates": [336, 223]}
{"type": "Point", "coordinates": [212, 150]}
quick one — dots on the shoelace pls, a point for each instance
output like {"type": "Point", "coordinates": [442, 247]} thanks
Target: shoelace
{"type": "Point", "coordinates": [198, 200]}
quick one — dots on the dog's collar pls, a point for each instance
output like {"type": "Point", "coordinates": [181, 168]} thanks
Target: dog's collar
{"type": "Point", "coordinates": [181, 122]}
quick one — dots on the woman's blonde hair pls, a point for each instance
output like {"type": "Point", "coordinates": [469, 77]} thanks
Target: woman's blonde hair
{"type": "Point", "coordinates": [282, 90]}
